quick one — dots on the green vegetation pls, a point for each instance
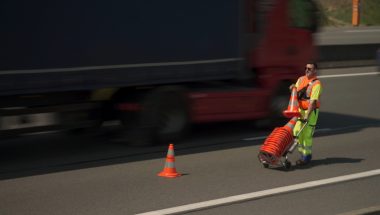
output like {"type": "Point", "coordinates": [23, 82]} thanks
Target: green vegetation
{"type": "Point", "coordinates": [338, 12]}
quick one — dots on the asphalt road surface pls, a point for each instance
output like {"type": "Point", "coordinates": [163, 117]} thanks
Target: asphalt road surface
{"type": "Point", "coordinates": [59, 174]}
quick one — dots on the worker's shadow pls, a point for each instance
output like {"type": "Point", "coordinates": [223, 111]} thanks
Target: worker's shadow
{"type": "Point", "coordinates": [320, 162]}
{"type": "Point", "coordinates": [329, 161]}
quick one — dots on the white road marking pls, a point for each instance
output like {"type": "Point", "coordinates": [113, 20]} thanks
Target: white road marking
{"type": "Point", "coordinates": [361, 31]}
{"type": "Point", "coordinates": [363, 211]}
{"type": "Point", "coordinates": [317, 130]}
{"type": "Point", "coordinates": [323, 130]}
{"type": "Point", "coordinates": [255, 138]}
{"type": "Point", "coordinates": [348, 75]}
{"type": "Point", "coordinates": [320, 130]}
{"type": "Point", "coordinates": [355, 126]}
{"type": "Point", "coordinates": [262, 194]}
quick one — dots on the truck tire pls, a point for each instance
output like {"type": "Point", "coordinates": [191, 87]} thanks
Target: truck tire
{"type": "Point", "coordinates": [164, 117]}
{"type": "Point", "coordinates": [278, 104]}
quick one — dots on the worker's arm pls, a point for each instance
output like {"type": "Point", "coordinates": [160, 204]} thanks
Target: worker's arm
{"type": "Point", "coordinates": [294, 85]}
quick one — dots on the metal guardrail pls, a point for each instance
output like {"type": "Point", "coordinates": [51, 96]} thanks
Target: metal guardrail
{"type": "Point", "coordinates": [331, 56]}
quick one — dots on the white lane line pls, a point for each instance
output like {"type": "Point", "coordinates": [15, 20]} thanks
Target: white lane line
{"type": "Point", "coordinates": [263, 137]}
{"type": "Point", "coordinates": [360, 31]}
{"type": "Point", "coordinates": [262, 194]}
{"type": "Point", "coordinates": [348, 75]}
{"type": "Point", "coordinates": [355, 126]}
{"type": "Point", "coordinates": [321, 130]}
{"type": "Point", "coordinates": [363, 211]}
{"type": "Point", "coordinates": [255, 138]}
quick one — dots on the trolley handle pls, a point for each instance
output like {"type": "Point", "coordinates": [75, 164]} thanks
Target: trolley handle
{"type": "Point", "coordinates": [299, 132]}
{"type": "Point", "coordinates": [295, 142]}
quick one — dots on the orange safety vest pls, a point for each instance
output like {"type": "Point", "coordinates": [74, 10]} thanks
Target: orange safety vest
{"type": "Point", "coordinates": [304, 91]}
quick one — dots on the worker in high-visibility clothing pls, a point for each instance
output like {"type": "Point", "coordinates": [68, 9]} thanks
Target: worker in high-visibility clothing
{"type": "Point", "coordinates": [309, 90]}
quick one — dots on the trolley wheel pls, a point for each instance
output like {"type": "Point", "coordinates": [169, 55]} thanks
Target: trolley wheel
{"type": "Point", "coordinates": [287, 164]}
{"type": "Point", "coordinates": [265, 165]}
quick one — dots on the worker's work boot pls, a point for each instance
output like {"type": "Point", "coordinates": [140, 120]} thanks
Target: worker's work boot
{"type": "Point", "coordinates": [304, 160]}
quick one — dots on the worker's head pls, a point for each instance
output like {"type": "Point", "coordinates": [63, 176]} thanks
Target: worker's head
{"type": "Point", "coordinates": [311, 70]}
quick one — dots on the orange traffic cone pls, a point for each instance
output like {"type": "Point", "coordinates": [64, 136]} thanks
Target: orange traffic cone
{"type": "Point", "coordinates": [292, 110]}
{"type": "Point", "coordinates": [169, 169]}
{"type": "Point", "coordinates": [290, 125]}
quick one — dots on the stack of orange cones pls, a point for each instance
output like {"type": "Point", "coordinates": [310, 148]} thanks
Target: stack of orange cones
{"type": "Point", "coordinates": [293, 106]}
{"type": "Point", "coordinates": [276, 143]}
{"type": "Point", "coordinates": [169, 169]}
{"type": "Point", "coordinates": [290, 125]}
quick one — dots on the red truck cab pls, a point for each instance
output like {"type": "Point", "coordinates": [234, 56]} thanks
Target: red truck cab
{"type": "Point", "coordinates": [278, 42]}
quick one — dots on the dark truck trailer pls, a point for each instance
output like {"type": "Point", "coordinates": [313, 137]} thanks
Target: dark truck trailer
{"type": "Point", "coordinates": [155, 66]}
{"type": "Point", "coordinates": [50, 46]}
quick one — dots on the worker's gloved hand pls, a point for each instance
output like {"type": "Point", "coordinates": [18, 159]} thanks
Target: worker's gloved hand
{"type": "Point", "coordinates": [304, 119]}
{"type": "Point", "coordinates": [291, 87]}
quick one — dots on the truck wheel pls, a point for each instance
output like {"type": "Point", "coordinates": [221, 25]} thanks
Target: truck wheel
{"type": "Point", "coordinates": [287, 165]}
{"type": "Point", "coordinates": [164, 117]}
{"type": "Point", "coordinates": [280, 103]}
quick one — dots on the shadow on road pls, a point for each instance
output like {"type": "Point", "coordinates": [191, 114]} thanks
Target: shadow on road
{"type": "Point", "coordinates": [341, 123]}
{"type": "Point", "coordinates": [321, 162]}
{"type": "Point", "coordinates": [331, 161]}
{"type": "Point", "coordinates": [49, 153]}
